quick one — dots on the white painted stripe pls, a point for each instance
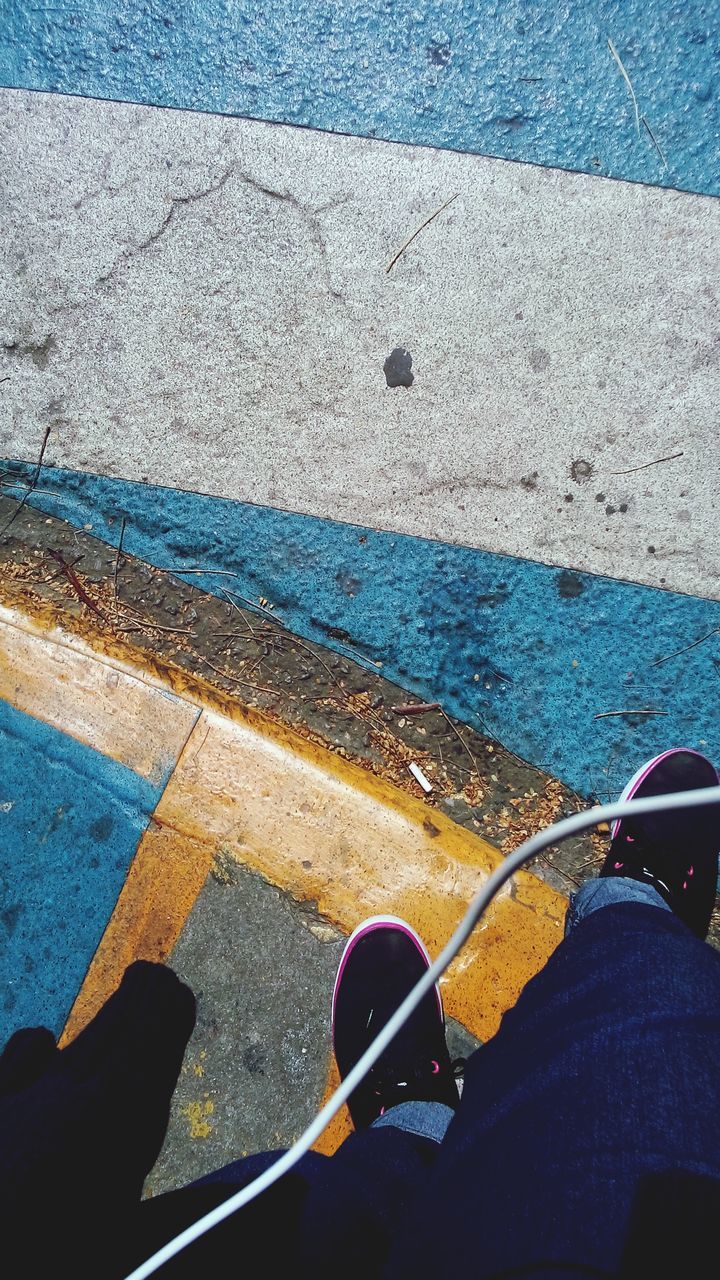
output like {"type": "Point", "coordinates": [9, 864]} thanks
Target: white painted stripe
{"type": "Point", "coordinates": [204, 302]}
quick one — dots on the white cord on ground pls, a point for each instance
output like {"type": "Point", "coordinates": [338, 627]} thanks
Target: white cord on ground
{"type": "Point", "coordinates": [552, 835]}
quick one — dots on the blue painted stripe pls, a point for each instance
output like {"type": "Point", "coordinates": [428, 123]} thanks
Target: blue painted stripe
{"type": "Point", "coordinates": [70, 822]}
{"type": "Point", "coordinates": [529, 652]}
{"type": "Point", "coordinates": [525, 80]}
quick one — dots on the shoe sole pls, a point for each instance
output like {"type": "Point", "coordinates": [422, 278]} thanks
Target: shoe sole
{"type": "Point", "coordinates": [642, 773]}
{"type": "Point", "coordinates": [369, 926]}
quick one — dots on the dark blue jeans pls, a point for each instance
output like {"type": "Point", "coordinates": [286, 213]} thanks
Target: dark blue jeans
{"type": "Point", "coordinates": [587, 1141]}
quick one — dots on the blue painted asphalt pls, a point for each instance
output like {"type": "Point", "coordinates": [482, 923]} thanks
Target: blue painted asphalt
{"type": "Point", "coordinates": [70, 821]}
{"type": "Point", "coordinates": [528, 652]}
{"type": "Point", "coordinates": [514, 78]}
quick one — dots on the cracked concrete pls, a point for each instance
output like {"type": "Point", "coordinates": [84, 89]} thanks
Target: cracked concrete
{"type": "Point", "coordinates": [204, 303]}
{"type": "Point", "coordinates": [175, 202]}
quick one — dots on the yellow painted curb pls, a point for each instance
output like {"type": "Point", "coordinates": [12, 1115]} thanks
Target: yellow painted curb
{"type": "Point", "coordinates": [165, 877]}
{"type": "Point", "coordinates": [111, 710]}
{"type": "Point", "coordinates": [309, 821]}
{"type": "Point", "coordinates": [329, 832]}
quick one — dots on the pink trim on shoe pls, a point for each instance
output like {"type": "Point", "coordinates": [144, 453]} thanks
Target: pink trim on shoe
{"type": "Point", "coordinates": [642, 773]}
{"type": "Point", "coordinates": [368, 926]}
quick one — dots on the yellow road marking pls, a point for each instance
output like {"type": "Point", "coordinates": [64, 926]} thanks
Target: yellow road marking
{"type": "Point", "coordinates": [165, 877]}
{"type": "Point", "coordinates": [113, 711]}
{"type": "Point", "coordinates": [309, 821]}
{"type": "Point", "coordinates": [330, 832]}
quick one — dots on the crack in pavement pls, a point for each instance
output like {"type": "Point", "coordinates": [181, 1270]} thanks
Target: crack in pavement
{"type": "Point", "coordinates": [159, 231]}
{"type": "Point", "coordinates": [309, 217]}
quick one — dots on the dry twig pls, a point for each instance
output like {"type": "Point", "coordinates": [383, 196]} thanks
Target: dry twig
{"type": "Point", "coordinates": [414, 708]}
{"type": "Point", "coordinates": [117, 562]}
{"type": "Point", "coordinates": [628, 82]}
{"type": "Point", "coordinates": [657, 662]}
{"type": "Point", "coordinates": [668, 458]}
{"type": "Point", "coordinates": [634, 711]}
{"type": "Point", "coordinates": [415, 233]}
{"type": "Point", "coordinates": [32, 484]}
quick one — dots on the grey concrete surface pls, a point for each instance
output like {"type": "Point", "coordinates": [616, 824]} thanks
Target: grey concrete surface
{"type": "Point", "coordinates": [262, 968]}
{"type": "Point", "coordinates": [204, 302]}
{"type": "Point", "coordinates": [257, 1062]}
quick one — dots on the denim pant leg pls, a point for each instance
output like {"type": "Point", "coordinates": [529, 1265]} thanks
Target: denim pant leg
{"type": "Point", "coordinates": [588, 1133]}
{"type": "Point", "coordinates": [423, 1119]}
{"type": "Point", "coordinates": [607, 892]}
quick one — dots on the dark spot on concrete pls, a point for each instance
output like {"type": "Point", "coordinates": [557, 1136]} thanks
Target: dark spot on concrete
{"type": "Point", "coordinates": [347, 583]}
{"type": "Point", "coordinates": [39, 352]}
{"type": "Point", "coordinates": [568, 498]}
{"type": "Point", "coordinates": [101, 829]}
{"type": "Point", "coordinates": [599, 497]}
{"type": "Point", "coordinates": [307, 864]}
{"type": "Point", "coordinates": [519, 315]}
{"type": "Point", "coordinates": [491, 678]}
{"type": "Point", "coordinates": [609, 510]}
{"type": "Point", "coordinates": [530, 481]}
{"type": "Point", "coordinates": [708, 355]}
{"type": "Point", "coordinates": [581, 470]}
{"type": "Point", "coordinates": [623, 507]}
{"type": "Point", "coordinates": [651, 551]}
{"type": "Point", "coordinates": [492, 598]}
{"type": "Point", "coordinates": [540, 643]}
{"type": "Point", "coordinates": [335, 633]}
{"type": "Point", "coordinates": [439, 54]}
{"type": "Point", "coordinates": [223, 869]}
{"type": "Point", "coordinates": [397, 368]}
{"type": "Point", "coordinates": [9, 916]}
{"type": "Point", "coordinates": [254, 1059]}
{"type": "Point", "coordinates": [569, 585]}
{"type": "Point", "coordinates": [29, 964]}
{"type": "Point", "coordinates": [362, 540]}
{"type": "Point", "coordinates": [9, 1002]}
{"type": "Point", "coordinates": [430, 828]}
{"type": "Point", "coordinates": [515, 121]}
{"type": "Point", "coordinates": [539, 359]}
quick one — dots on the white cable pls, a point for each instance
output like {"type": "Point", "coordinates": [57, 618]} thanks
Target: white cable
{"type": "Point", "coordinates": [552, 835]}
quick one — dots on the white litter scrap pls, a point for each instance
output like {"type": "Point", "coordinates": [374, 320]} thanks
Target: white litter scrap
{"type": "Point", "coordinates": [419, 776]}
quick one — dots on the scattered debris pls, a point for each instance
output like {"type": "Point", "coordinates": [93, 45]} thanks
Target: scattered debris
{"type": "Point", "coordinates": [458, 735]}
{"type": "Point", "coordinates": [419, 776]}
{"type": "Point", "coordinates": [473, 780]}
{"type": "Point", "coordinates": [422, 226]}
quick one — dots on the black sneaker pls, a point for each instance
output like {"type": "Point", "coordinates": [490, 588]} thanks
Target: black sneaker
{"type": "Point", "coordinates": [382, 961]}
{"type": "Point", "coordinates": [676, 852]}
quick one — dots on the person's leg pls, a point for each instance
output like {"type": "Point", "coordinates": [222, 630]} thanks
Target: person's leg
{"type": "Point", "coordinates": [339, 1212]}
{"type": "Point", "coordinates": [80, 1127]}
{"type": "Point", "coordinates": [600, 1094]}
